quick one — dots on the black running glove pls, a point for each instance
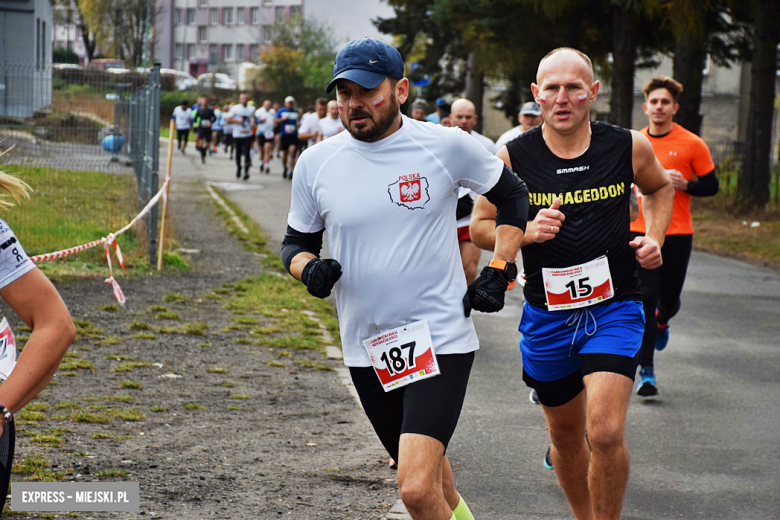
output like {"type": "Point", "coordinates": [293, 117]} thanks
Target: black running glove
{"type": "Point", "coordinates": [320, 275]}
{"type": "Point", "coordinates": [486, 294]}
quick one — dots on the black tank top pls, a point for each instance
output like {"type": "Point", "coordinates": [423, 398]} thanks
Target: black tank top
{"type": "Point", "coordinates": [594, 190]}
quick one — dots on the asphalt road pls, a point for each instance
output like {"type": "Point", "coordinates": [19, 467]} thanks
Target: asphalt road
{"type": "Point", "coordinates": [707, 448]}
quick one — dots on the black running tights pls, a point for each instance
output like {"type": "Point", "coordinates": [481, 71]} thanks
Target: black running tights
{"type": "Point", "coordinates": [661, 289]}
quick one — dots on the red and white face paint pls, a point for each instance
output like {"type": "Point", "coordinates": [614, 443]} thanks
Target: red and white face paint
{"type": "Point", "coordinates": [341, 105]}
{"type": "Point", "coordinates": [582, 97]}
{"type": "Point", "coordinates": [542, 98]}
{"type": "Point", "coordinates": [378, 102]}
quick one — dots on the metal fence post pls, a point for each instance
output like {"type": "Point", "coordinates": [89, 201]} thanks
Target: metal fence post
{"type": "Point", "coordinates": [153, 149]}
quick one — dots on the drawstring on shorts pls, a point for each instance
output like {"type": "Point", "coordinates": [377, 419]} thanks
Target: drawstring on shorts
{"type": "Point", "coordinates": [576, 319]}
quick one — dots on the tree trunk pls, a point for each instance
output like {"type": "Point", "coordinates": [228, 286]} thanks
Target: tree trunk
{"type": "Point", "coordinates": [624, 42]}
{"type": "Point", "coordinates": [689, 56]}
{"type": "Point", "coordinates": [475, 87]}
{"type": "Point", "coordinates": [753, 185]}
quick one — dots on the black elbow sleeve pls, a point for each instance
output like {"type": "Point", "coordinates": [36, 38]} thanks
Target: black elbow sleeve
{"type": "Point", "coordinates": [705, 186]}
{"type": "Point", "coordinates": [510, 197]}
{"type": "Point", "coordinates": [295, 242]}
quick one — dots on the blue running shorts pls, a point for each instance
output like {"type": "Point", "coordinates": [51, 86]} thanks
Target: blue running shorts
{"type": "Point", "coordinates": [564, 346]}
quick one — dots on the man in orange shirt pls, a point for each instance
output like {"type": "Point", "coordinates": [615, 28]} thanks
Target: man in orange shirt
{"type": "Point", "coordinates": [687, 160]}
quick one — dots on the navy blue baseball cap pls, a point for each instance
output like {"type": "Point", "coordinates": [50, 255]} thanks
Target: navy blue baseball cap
{"type": "Point", "coordinates": [367, 62]}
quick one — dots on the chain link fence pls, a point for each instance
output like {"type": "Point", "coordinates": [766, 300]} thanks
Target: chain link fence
{"type": "Point", "coordinates": [87, 142]}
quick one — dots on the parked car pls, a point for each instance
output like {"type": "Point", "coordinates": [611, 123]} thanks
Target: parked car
{"type": "Point", "coordinates": [107, 63]}
{"type": "Point", "coordinates": [184, 81]}
{"type": "Point", "coordinates": [218, 79]}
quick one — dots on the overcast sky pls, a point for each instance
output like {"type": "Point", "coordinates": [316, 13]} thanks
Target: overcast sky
{"type": "Point", "coordinates": [349, 19]}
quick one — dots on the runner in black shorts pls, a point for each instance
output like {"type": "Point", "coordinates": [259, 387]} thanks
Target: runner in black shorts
{"type": "Point", "coordinates": [582, 321]}
{"type": "Point", "coordinates": [405, 327]}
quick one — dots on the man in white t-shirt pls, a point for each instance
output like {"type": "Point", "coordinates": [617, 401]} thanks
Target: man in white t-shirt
{"type": "Point", "coordinates": [310, 124]}
{"type": "Point", "coordinates": [242, 116]}
{"type": "Point", "coordinates": [265, 134]}
{"type": "Point", "coordinates": [182, 115]}
{"type": "Point", "coordinates": [385, 192]}
{"type": "Point", "coordinates": [330, 125]}
{"type": "Point", "coordinates": [530, 116]}
{"type": "Point", "coordinates": [464, 116]}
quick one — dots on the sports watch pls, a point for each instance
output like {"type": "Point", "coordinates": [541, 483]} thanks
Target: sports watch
{"type": "Point", "coordinates": [508, 269]}
{"type": "Point", "coordinates": [7, 415]}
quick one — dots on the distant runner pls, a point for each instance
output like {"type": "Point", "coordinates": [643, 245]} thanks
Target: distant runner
{"type": "Point", "coordinates": [688, 162]}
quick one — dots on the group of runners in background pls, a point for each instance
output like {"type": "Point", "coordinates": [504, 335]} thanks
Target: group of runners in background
{"type": "Point", "coordinates": [246, 131]}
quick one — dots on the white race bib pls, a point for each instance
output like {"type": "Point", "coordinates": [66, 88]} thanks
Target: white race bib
{"type": "Point", "coordinates": [578, 286]}
{"type": "Point", "coordinates": [403, 355]}
{"type": "Point", "coordinates": [269, 134]}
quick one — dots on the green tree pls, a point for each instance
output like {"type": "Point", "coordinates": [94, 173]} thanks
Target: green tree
{"type": "Point", "coordinates": [120, 26]}
{"type": "Point", "coordinates": [299, 62]}
{"type": "Point", "coordinates": [753, 184]}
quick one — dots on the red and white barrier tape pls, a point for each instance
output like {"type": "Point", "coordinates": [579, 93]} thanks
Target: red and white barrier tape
{"type": "Point", "coordinates": [110, 239]}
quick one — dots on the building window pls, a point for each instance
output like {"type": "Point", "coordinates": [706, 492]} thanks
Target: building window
{"type": "Point", "coordinates": [178, 51]}
{"type": "Point", "coordinates": [227, 15]}
{"type": "Point", "coordinates": [43, 44]}
{"type": "Point", "coordinates": [213, 16]}
{"type": "Point", "coordinates": [279, 14]}
{"type": "Point", "coordinates": [227, 52]}
{"type": "Point", "coordinates": [268, 2]}
{"type": "Point", "coordinates": [268, 34]}
{"type": "Point", "coordinates": [213, 52]}
{"type": "Point", "coordinates": [38, 43]}
{"type": "Point", "coordinates": [255, 15]}
{"type": "Point", "coordinates": [240, 51]}
{"type": "Point", "coordinates": [177, 17]}
{"type": "Point", "coordinates": [70, 45]}
{"type": "Point", "coordinates": [203, 3]}
{"type": "Point", "coordinates": [240, 15]}
{"type": "Point", "coordinates": [190, 16]}
{"type": "Point", "coordinates": [295, 12]}
{"type": "Point", "coordinates": [203, 33]}
{"type": "Point", "coordinates": [190, 51]}
{"type": "Point", "coordinates": [254, 52]}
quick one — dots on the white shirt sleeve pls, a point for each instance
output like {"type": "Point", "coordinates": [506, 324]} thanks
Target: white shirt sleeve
{"type": "Point", "coordinates": [310, 125]}
{"type": "Point", "coordinates": [473, 166]}
{"type": "Point", "coordinates": [14, 262]}
{"type": "Point", "coordinates": [304, 213]}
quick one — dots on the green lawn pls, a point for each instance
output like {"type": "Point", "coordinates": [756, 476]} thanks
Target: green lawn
{"type": "Point", "coordinates": [68, 208]}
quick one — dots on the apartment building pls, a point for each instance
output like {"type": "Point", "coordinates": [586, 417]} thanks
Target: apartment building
{"type": "Point", "coordinates": [200, 36]}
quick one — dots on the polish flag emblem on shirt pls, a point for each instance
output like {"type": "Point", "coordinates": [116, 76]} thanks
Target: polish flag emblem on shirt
{"type": "Point", "coordinates": [410, 191]}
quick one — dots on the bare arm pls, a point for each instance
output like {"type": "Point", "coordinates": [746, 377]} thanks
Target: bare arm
{"type": "Point", "coordinates": [35, 300]}
{"type": "Point", "coordinates": [657, 201]}
{"type": "Point", "coordinates": [483, 220]}
{"type": "Point", "coordinates": [299, 261]}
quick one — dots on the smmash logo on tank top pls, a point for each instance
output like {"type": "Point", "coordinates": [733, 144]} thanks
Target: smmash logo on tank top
{"type": "Point", "coordinates": [594, 190]}
{"type": "Point", "coordinates": [410, 191]}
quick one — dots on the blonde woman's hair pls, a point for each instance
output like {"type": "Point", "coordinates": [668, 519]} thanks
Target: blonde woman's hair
{"type": "Point", "coordinates": [16, 189]}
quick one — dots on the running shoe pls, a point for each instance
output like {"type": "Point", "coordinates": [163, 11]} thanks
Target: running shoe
{"type": "Point", "coordinates": [284, 173]}
{"type": "Point", "coordinates": [267, 170]}
{"type": "Point", "coordinates": [662, 338]}
{"type": "Point", "coordinates": [534, 397]}
{"type": "Point", "coordinates": [238, 172]}
{"type": "Point", "coordinates": [548, 459]}
{"type": "Point", "coordinates": [647, 386]}
{"type": "Point", "coordinates": [392, 463]}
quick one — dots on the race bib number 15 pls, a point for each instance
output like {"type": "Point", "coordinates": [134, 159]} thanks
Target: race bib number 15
{"type": "Point", "coordinates": [403, 355]}
{"type": "Point", "coordinates": [578, 286]}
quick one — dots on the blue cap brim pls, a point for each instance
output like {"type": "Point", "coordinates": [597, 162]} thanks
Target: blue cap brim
{"type": "Point", "coordinates": [364, 78]}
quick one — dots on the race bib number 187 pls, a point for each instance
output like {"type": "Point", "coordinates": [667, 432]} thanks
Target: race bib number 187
{"type": "Point", "coordinates": [403, 355]}
{"type": "Point", "coordinates": [578, 286]}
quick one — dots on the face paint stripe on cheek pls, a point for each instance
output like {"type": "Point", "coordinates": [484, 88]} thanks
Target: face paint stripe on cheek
{"type": "Point", "coordinates": [542, 99]}
{"type": "Point", "coordinates": [341, 106]}
{"type": "Point", "coordinates": [378, 102]}
{"type": "Point", "coordinates": [582, 97]}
